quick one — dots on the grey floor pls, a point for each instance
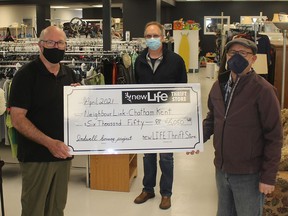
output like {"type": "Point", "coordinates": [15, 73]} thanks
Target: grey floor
{"type": "Point", "coordinates": [194, 191]}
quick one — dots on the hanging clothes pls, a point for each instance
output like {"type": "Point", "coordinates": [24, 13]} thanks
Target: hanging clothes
{"type": "Point", "coordinates": [2, 102]}
{"type": "Point", "coordinates": [184, 50]}
{"type": "Point", "coordinates": [96, 78]}
{"type": "Point", "coordinates": [127, 62]}
{"type": "Point", "coordinates": [114, 73]}
{"type": "Point", "coordinates": [10, 136]}
{"type": "Point", "coordinates": [2, 119]}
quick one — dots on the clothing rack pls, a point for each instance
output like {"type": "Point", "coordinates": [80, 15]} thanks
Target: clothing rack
{"type": "Point", "coordinates": [78, 53]}
{"type": "Point", "coordinates": [8, 66]}
{"type": "Point", "coordinates": [95, 53]}
{"type": "Point", "coordinates": [6, 54]}
{"type": "Point", "coordinates": [81, 45]}
{"type": "Point", "coordinates": [252, 29]}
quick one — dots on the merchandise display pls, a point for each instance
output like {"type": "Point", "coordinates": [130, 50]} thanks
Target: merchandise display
{"type": "Point", "coordinates": [186, 25]}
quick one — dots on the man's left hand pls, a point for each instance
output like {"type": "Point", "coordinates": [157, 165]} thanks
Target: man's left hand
{"type": "Point", "coordinates": [265, 188]}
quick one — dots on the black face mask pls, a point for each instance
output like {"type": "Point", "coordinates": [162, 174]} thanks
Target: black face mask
{"type": "Point", "coordinates": [53, 55]}
{"type": "Point", "coordinates": [237, 63]}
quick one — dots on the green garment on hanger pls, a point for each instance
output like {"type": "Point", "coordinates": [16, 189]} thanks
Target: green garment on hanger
{"type": "Point", "coordinates": [95, 79]}
{"type": "Point", "coordinates": [12, 133]}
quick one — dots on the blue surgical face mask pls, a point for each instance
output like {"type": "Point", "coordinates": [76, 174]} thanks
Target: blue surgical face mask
{"type": "Point", "coordinates": [237, 63]}
{"type": "Point", "coordinates": [153, 43]}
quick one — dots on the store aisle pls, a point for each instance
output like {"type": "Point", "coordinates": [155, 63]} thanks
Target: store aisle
{"type": "Point", "coordinates": [194, 191]}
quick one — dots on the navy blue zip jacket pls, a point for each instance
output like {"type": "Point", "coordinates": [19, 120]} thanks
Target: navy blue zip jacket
{"type": "Point", "coordinates": [170, 70]}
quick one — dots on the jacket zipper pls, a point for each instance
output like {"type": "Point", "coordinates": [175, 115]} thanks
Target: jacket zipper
{"type": "Point", "coordinates": [230, 98]}
{"type": "Point", "coordinates": [225, 117]}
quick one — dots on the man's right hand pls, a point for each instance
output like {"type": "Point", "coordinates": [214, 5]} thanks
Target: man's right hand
{"type": "Point", "coordinates": [193, 152]}
{"type": "Point", "coordinates": [59, 149]}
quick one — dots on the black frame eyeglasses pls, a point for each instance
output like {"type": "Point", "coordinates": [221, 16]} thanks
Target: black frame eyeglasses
{"type": "Point", "coordinates": [51, 43]}
{"type": "Point", "coordinates": [241, 52]}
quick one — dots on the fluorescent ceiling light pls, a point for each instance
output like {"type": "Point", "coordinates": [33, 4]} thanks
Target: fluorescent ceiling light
{"type": "Point", "coordinates": [59, 7]}
{"type": "Point", "coordinates": [98, 6]}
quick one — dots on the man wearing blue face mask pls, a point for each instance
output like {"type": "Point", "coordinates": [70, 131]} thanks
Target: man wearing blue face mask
{"type": "Point", "coordinates": [244, 116]}
{"type": "Point", "coordinates": [156, 64]}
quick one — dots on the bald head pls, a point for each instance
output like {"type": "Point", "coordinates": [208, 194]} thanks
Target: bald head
{"type": "Point", "coordinates": [52, 33]}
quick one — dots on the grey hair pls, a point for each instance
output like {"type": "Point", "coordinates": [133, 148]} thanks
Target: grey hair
{"type": "Point", "coordinates": [160, 26]}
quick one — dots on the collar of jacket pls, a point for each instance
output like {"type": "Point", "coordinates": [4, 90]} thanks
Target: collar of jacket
{"type": "Point", "coordinates": [145, 52]}
{"type": "Point", "coordinates": [224, 76]}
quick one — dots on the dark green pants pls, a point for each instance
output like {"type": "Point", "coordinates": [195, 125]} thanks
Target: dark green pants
{"type": "Point", "coordinates": [44, 188]}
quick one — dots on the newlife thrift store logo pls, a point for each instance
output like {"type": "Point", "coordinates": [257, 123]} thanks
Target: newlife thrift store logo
{"type": "Point", "coordinates": [166, 96]}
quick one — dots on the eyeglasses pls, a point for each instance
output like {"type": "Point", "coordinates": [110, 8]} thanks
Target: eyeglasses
{"type": "Point", "coordinates": [51, 43]}
{"type": "Point", "coordinates": [241, 52]}
{"type": "Point", "coordinates": [148, 36]}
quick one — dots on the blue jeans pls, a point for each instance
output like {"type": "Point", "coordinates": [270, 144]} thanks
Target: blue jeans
{"type": "Point", "coordinates": [239, 195]}
{"type": "Point", "coordinates": [150, 171]}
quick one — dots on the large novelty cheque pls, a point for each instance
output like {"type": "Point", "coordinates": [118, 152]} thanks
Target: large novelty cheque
{"type": "Point", "coordinates": [133, 118]}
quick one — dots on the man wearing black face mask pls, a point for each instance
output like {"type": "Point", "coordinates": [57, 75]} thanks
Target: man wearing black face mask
{"type": "Point", "coordinates": [244, 116]}
{"type": "Point", "coordinates": [36, 101]}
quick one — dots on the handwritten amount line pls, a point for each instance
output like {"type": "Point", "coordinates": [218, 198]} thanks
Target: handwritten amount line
{"type": "Point", "coordinates": [131, 123]}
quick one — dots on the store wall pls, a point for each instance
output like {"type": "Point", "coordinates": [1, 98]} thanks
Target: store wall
{"type": "Point", "coordinates": [12, 14]}
{"type": "Point", "coordinates": [136, 13]}
{"type": "Point", "coordinates": [64, 15]}
{"type": "Point", "coordinates": [97, 13]}
{"type": "Point", "coordinates": [197, 10]}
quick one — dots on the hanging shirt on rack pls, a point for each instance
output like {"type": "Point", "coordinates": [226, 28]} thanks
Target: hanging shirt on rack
{"type": "Point", "coordinates": [95, 78]}
{"type": "Point", "coordinates": [2, 102]}
{"type": "Point", "coordinates": [2, 119]}
{"type": "Point", "coordinates": [10, 133]}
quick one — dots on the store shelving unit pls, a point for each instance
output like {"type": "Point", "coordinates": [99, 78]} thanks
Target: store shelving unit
{"type": "Point", "coordinates": [18, 33]}
{"type": "Point", "coordinates": [284, 27]}
{"type": "Point", "coordinates": [112, 172]}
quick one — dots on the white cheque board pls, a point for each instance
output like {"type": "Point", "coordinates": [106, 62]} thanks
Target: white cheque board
{"type": "Point", "coordinates": [133, 118]}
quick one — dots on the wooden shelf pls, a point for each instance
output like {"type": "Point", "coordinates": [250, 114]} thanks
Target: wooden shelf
{"type": "Point", "coordinates": [278, 48]}
{"type": "Point", "coordinates": [112, 172]}
{"type": "Point", "coordinates": [18, 33]}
